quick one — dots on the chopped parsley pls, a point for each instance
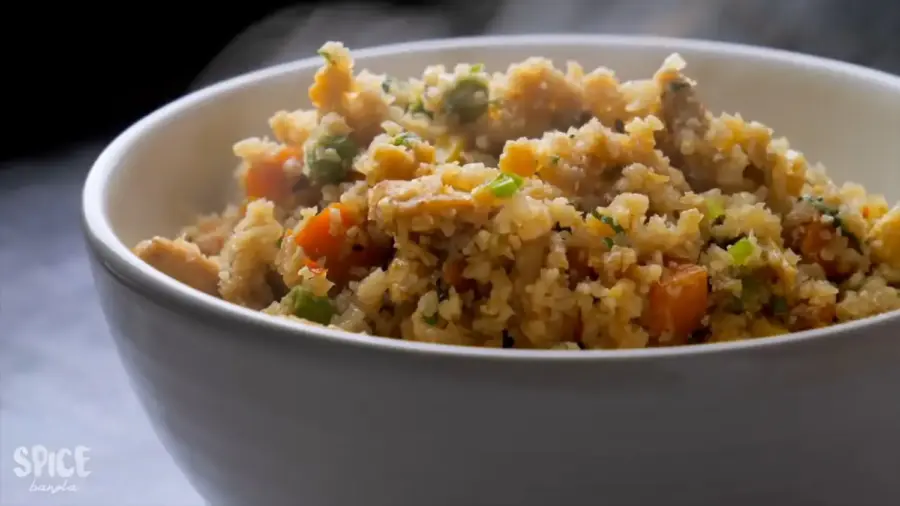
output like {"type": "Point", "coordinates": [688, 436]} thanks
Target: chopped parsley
{"type": "Point", "coordinates": [554, 160]}
{"type": "Point", "coordinates": [431, 320]}
{"type": "Point", "coordinates": [609, 220]}
{"type": "Point", "coordinates": [609, 242]}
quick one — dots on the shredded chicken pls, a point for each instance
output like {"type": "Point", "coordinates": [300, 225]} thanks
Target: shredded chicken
{"type": "Point", "coordinates": [181, 260]}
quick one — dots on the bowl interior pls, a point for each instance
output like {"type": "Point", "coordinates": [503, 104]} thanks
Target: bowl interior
{"type": "Point", "coordinates": [179, 162]}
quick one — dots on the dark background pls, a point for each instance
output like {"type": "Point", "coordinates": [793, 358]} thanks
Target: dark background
{"type": "Point", "coordinates": [74, 73]}
{"type": "Point", "coordinates": [83, 72]}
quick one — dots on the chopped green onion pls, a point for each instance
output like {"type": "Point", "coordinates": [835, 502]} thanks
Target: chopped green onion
{"type": "Point", "coordinates": [779, 305]}
{"type": "Point", "coordinates": [431, 320]}
{"type": "Point", "coordinates": [608, 220]}
{"type": "Point", "coordinates": [404, 139]}
{"type": "Point", "coordinates": [311, 307]}
{"type": "Point", "coordinates": [715, 210]}
{"type": "Point", "coordinates": [506, 185]}
{"type": "Point", "coordinates": [741, 251]}
{"type": "Point", "coordinates": [328, 57]}
{"type": "Point", "coordinates": [478, 67]}
{"type": "Point", "coordinates": [609, 242]}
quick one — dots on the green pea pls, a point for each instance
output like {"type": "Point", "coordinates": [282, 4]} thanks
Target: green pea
{"type": "Point", "coordinates": [468, 100]}
{"type": "Point", "coordinates": [308, 306]}
{"type": "Point", "coordinates": [331, 159]}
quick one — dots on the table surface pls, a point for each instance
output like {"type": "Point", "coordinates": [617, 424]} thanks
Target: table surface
{"type": "Point", "coordinates": [61, 383]}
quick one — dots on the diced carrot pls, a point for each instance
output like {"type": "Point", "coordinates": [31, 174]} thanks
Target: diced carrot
{"type": "Point", "coordinates": [313, 266]}
{"type": "Point", "coordinates": [266, 179]}
{"type": "Point", "coordinates": [678, 303]}
{"type": "Point", "coordinates": [815, 238]}
{"type": "Point", "coordinates": [323, 243]}
{"type": "Point", "coordinates": [318, 239]}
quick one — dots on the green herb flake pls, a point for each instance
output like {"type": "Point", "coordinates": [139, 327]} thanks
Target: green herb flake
{"type": "Point", "coordinates": [431, 319]}
{"type": "Point", "coordinates": [386, 84]}
{"type": "Point", "coordinates": [609, 242]}
{"type": "Point", "coordinates": [610, 221]}
{"type": "Point", "coordinates": [478, 67]}
{"type": "Point", "coordinates": [741, 251]}
{"type": "Point", "coordinates": [419, 108]}
{"type": "Point", "coordinates": [328, 58]}
{"type": "Point", "coordinates": [506, 185]}
{"type": "Point", "coordinates": [404, 139]}
{"type": "Point", "coordinates": [554, 160]}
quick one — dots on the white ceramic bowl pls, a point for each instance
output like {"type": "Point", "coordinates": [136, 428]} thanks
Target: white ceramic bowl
{"type": "Point", "coordinates": [258, 410]}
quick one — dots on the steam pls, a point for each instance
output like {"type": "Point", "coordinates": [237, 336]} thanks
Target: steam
{"type": "Point", "coordinates": [864, 34]}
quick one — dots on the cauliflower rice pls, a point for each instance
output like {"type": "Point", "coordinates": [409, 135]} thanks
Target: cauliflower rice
{"type": "Point", "coordinates": [537, 208]}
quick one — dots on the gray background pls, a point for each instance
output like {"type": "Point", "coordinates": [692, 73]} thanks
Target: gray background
{"type": "Point", "coordinates": [60, 381]}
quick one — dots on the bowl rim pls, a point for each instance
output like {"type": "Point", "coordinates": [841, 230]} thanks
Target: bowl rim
{"type": "Point", "coordinates": [118, 259]}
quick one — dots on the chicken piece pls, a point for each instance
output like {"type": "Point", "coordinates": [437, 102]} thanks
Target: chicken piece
{"type": "Point", "coordinates": [249, 255]}
{"type": "Point", "coordinates": [181, 260]}
{"type": "Point", "coordinates": [424, 202]}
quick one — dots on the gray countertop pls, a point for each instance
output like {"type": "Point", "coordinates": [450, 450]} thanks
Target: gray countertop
{"type": "Point", "coordinates": [61, 384]}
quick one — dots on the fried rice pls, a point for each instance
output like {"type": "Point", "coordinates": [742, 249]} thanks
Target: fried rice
{"type": "Point", "coordinates": [537, 208]}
